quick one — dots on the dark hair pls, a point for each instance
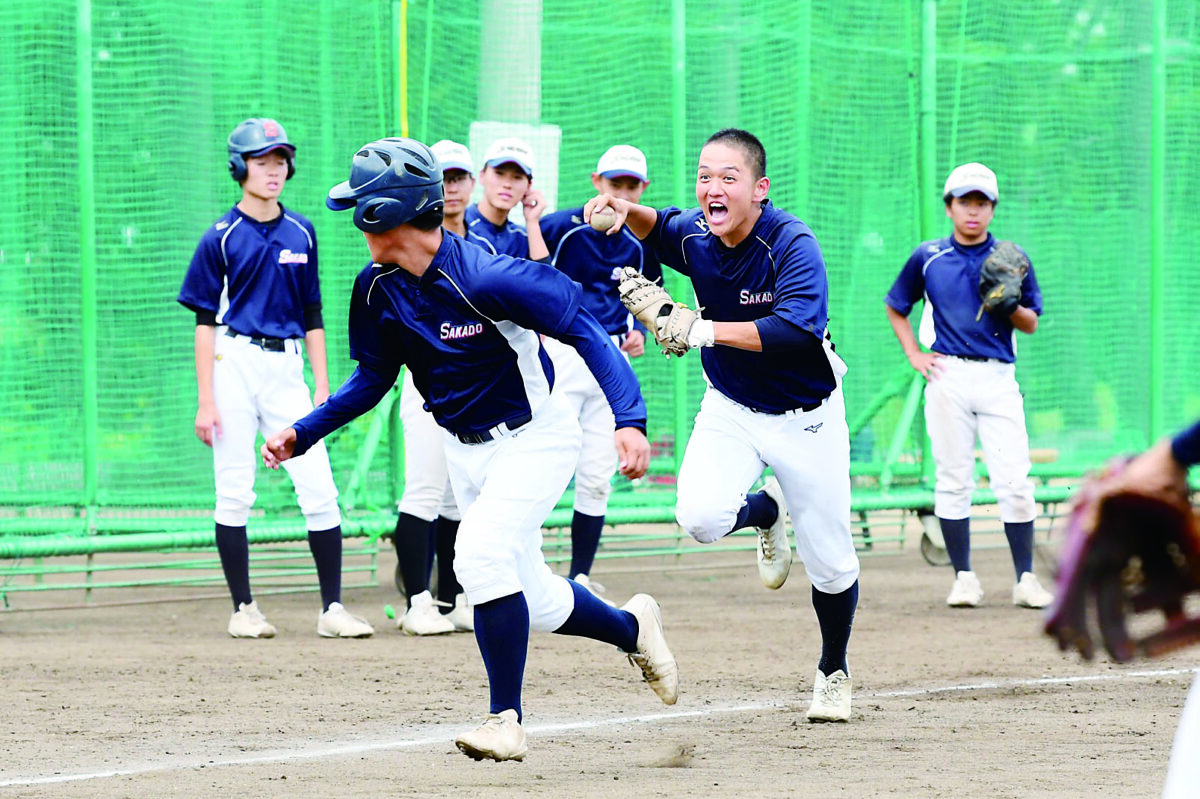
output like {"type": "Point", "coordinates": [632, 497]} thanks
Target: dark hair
{"type": "Point", "coordinates": [748, 143]}
{"type": "Point", "coordinates": [428, 220]}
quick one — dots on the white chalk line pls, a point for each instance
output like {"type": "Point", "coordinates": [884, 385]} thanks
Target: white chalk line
{"type": "Point", "coordinates": [445, 732]}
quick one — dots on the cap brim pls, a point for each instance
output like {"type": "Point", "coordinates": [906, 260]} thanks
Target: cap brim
{"type": "Point", "coordinates": [341, 197]}
{"type": "Point", "coordinates": [288, 148]}
{"type": "Point", "coordinates": [962, 191]}
{"type": "Point", "coordinates": [468, 168]}
{"type": "Point", "coordinates": [495, 162]}
{"type": "Point", "coordinates": [623, 173]}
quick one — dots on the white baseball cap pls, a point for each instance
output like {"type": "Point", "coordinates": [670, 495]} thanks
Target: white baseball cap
{"type": "Point", "coordinates": [452, 155]}
{"type": "Point", "coordinates": [510, 151]}
{"type": "Point", "coordinates": [972, 177]}
{"type": "Point", "coordinates": [623, 159]}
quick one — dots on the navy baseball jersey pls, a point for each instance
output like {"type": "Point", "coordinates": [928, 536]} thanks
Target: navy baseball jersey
{"type": "Point", "coordinates": [257, 277]}
{"type": "Point", "coordinates": [775, 278]}
{"type": "Point", "coordinates": [466, 331]}
{"type": "Point", "coordinates": [594, 259]}
{"type": "Point", "coordinates": [945, 273]}
{"type": "Point", "coordinates": [507, 239]}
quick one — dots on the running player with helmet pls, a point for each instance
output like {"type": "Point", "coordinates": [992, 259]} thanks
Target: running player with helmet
{"type": "Point", "coordinates": [774, 396]}
{"type": "Point", "coordinates": [594, 260]}
{"type": "Point", "coordinates": [972, 388]}
{"type": "Point", "coordinates": [507, 178]}
{"type": "Point", "coordinates": [466, 324]}
{"type": "Point", "coordinates": [428, 515]}
{"type": "Point", "coordinates": [253, 286]}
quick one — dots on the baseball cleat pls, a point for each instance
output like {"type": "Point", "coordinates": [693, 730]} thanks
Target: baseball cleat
{"type": "Point", "coordinates": [463, 615]}
{"type": "Point", "coordinates": [774, 549]}
{"type": "Point", "coordinates": [423, 617]}
{"type": "Point", "coordinates": [653, 656]}
{"type": "Point", "coordinates": [595, 589]}
{"type": "Point", "coordinates": [500, 737]}
{"type": "Point", "coordinates": [1028, 593]}
{"type": "Point", "coordinates": [248, 622]}
{"type": "Point", "coordinates": [967, 592]}
{"type": "Point", "coordinates": [831, 697]}
{"type": "Point", "coordinates": [337, 622]}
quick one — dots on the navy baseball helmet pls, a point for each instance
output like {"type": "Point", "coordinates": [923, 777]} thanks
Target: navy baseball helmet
{"type": "Point", "coordinates": [258, 137]}
{"type": "Point", "coordinates": [392, 181]}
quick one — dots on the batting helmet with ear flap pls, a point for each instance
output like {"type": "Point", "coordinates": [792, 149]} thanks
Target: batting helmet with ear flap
{"type": "Point", "coordinates": [256, 137]}
{"type": "Point", "coordinates": [392, 181]}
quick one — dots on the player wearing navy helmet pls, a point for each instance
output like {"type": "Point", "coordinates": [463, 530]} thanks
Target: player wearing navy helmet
{"type": "Point", "coordinates": [594, 261]}
{"type": "Point", "coordinates": [428, 514]}
{"type": "Point", "coordinates": [467, 325]}
{"type": "Point", "coordinates": [253, 286]}
{"type": "Point", "coordinates": [507, 178]}
{"type": "Point", "coordinates": [774, 396]}
{"type": "Point", "coordinates": [972, 387]}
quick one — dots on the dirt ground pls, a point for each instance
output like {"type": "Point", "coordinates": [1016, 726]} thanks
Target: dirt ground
{"type": "Point", "coordinates": [156, 700]}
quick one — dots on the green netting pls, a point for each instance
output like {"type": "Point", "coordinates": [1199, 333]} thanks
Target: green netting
{"type": "Point", "coordinates": [113, 151]}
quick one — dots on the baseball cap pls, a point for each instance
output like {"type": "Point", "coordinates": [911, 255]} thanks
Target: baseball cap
{"type": "Point", "coordinates": [972, 177]}
{"type": "Point", "coordinates": [452, 155]}
{"type": "Point", "coordinates": [510, 151]}
{"type": "Point", "coordinates": [623, 159]}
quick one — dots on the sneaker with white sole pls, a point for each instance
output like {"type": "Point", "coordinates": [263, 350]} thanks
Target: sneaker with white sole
{"type": "Point", "coordinates": [463, 615]}
{"type": "Point", "coordinates": [966, 591]}
{"type": "Point", "coordinates": [337, 622]}
{"type": "Point", "coordinates": [1028, 592]}
{"type": "Point", "coordinates": [774, 549]}
{"type": "Point", "coordinates": [831, 697]}
{"type": "Point", "coordinates": [248, 622]}
{"type": "Point", "coordinates": [653, 656]}
{"type": "Point", "coordinates": [424, 618]}
{"type": "Point", "coordinates": [594, 588]}
{"type": "Point", "coordinates": [500, 737]}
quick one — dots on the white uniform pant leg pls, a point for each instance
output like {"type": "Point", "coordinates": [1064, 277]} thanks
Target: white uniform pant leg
{"type": "Point", "coordinates": [283, 399]}
{"type": "Point", "coordinates": [236, 380]}
{"type": "Point", "coordinates": [598, 455]}
{"type": "Point", "coordinates": [950, 422]}
{"type": "Point", "coordinates": [810, 456]}
{"type": "Point", "coordinates": [1183, 770]}
{"type": "Point", "coordinates": [427, 492]}
{"type": "Point", "coordinates": [719, 466]}
{"type": "Point", "coordinates": [1000, 410]}
{"type": "Point", "coordinates": [506, 488]}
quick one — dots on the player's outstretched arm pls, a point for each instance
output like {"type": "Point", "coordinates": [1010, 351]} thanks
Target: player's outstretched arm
{"type": "Point", "coordinates": [640, 219]}
{"type": "Point", "coordinates": [278, 448]}
{"type": "Point", "coordinates": [633, 452]}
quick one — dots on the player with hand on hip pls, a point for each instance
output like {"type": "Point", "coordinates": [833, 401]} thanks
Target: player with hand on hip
{"type": "Point", "coordinates": [774, 395]}
{"type": "Point", "coordinates": [428, 515]}
{"type": "Point", "coordinates": [467, 325]}
{"type": "Point", "coordinates": [972, 387]}
{"type": "Point", "coordinates": [253, 286]}
{"type": "Point", "coordinates": [594, 260]}
{"type": "Point", "coordinates": [507, 178]}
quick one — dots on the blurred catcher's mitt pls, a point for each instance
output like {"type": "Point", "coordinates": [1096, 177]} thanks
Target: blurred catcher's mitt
{"type": "Point", "coordinates": [668, 320]}
{"type": "Point", "coordinates": [1126, 553]}
{"type": "Point", "coordinates": [1000, 280]}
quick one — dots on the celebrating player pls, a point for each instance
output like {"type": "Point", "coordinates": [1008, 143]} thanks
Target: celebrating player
{"type": "Point", "coordinates": [464, 323]}
{"type": "Point", "coordinates": [774, 393]}
{"type": "Point", "coordinates": [253, 286]}
{"type": "Point", "coordinates": [594, 260]}
{"type": "Point", "coordinates": [428, 515]}
{"type": "Point", "coordinates": [507, 178]}
{"type": "Point", "coordinates": [972, 388]}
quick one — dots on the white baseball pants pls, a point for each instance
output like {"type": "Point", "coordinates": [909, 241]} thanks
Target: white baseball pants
{"type": "Point", "coordinates": [810, 456]}
{"type": "Point", "coordinates": [264, 392]}
{"type": "Point", "coordinates": [427, 491]}
{"type": "Point", "coordinates": [598, 455]}
{"type": "Point", "coordinates": [970, 398]}
{"type": "Point", "coordinates": [506, 488]}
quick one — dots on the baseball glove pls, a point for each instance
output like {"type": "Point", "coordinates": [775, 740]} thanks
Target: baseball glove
{"type": "Point", "coordinates": [1125, 554]}
{"type": "Point", "coordinates": [1000, 280]}
{"type": "Point", "coordinates": [670, 321]}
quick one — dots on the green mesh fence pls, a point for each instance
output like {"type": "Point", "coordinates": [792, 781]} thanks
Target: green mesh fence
{"type": "Point", "coordinates": [115, 115]}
